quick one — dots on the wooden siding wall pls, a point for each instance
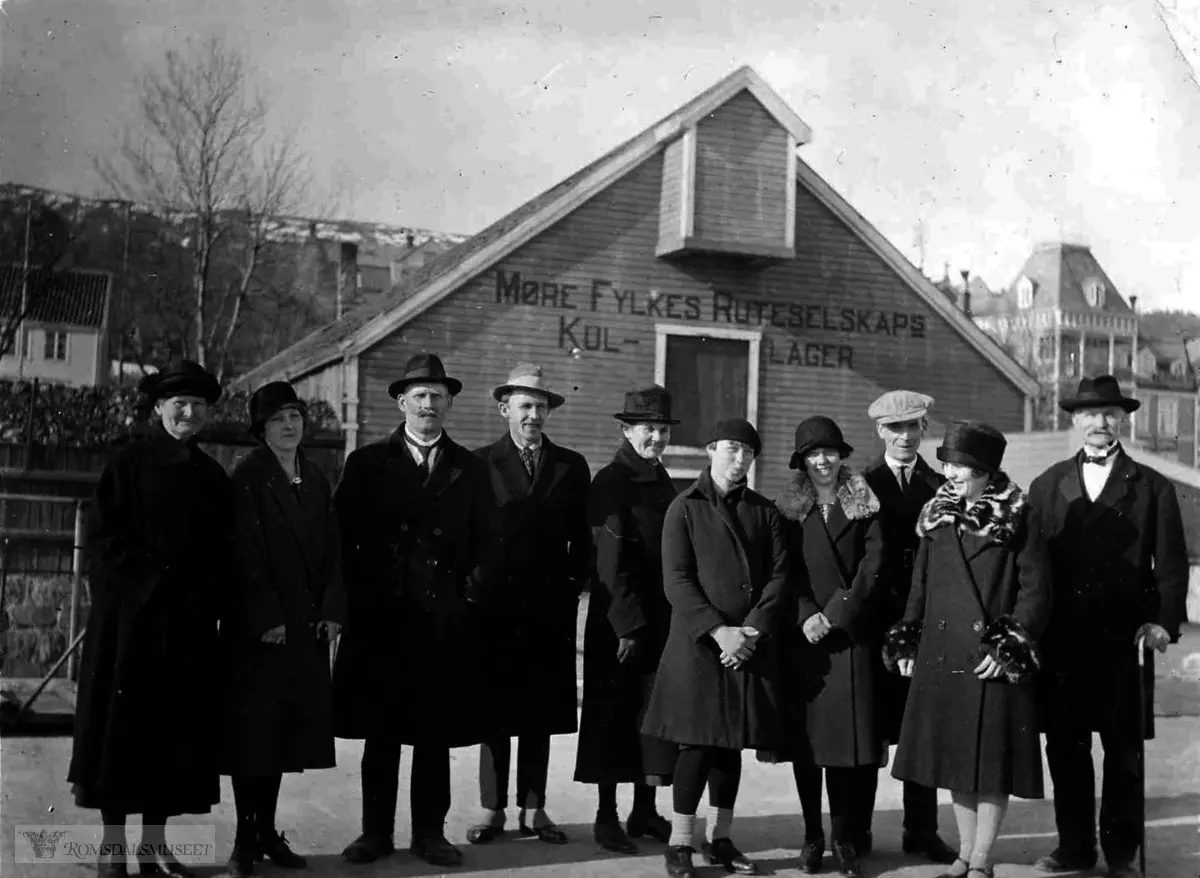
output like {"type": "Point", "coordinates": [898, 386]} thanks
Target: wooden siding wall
{"type": "Point", "coordinates": [578, 300]}
{"type": "Point", "coordinates": [670, 218]}
{"type": "Point", "coordinates": [741, 175]}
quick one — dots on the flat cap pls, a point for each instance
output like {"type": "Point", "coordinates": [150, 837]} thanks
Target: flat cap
{"type": "Point", "coordinates": [896, 406]}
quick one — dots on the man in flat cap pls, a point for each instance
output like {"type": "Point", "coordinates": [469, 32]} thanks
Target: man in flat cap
{"type": "Point", "coordinates": [1119, 560]}
{"type": "Point", "coordinates": [904, 483]}
{"type": "Point", "coordinates": [414, 514]}
{"type": "Point", "coordinates": [540, 493]}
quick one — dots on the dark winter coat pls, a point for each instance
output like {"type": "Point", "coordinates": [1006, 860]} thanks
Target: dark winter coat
{"type": "Point", "coordinates": [626, 507]}
{"type": "Point", "coordinates": [159, 539]}
{"type": "Point", "coordinates": [721, 566]}
{"type": "Point", "coordinates": [898, 512]}
{"type": "Point", "coordinates": [1118, 562]}
{"type": "Point", "coordinates": [833, 705]}
{"type": "Point", "coordinates": [410, 664]}
{"type": "Point", "coordinates": [289, 573]}
{"type": "Point", "coordinates": [544, 562]}
{"type": "Point", "coordinates": [986, 587]}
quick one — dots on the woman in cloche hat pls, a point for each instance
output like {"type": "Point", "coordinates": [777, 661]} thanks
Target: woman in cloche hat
{"type": "Point", "coordinates": [286, 608]}
{"type": "Point", "coordinates": [832, 659]}
{"type": "Point", "coordinates": [627, 622]}
{"type": "Point", "coordinates": [981, 581]}
{"type": "Point", "coordinates": [160, 541]}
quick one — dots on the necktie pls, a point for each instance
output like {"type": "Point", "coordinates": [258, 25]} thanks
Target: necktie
{"type": "Point", "coordinates": [423, 451]}
{"type": "Point", "coordinates": [528, 459]}
{"type": "Point", "coordinates": [903, 478]}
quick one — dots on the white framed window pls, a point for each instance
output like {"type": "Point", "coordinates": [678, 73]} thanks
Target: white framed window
{"type": "Point", "coordinates": [1168, 417]}
{"type": "Point", "coordinates": [1142, 417]}
{"type": "Point", "coordinates": [54, 344]}
{"type": "Point", "coordinates": [1024, 293]}
{"type": "Point", "coordinates": [711, 373]}
{"type": "Point", "coordinates": [1093, 291]}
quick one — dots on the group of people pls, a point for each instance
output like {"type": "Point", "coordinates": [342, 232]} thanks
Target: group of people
{"type": "Point", "coordinates": [954, 616]}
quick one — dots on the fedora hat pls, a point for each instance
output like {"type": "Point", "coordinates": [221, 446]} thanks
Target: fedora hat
{"type": "Point", "coordinates": [972, 443]}
{"type": "Point", "coordinates": [528, 378]}
{"type": "Point", "coordinates": [818, 432]}
{"type": "Point", "coordinates": [650, 405]}
{"type": "Point", "coordinates": [181, 378]}
{"type": "Point", "coordinates": [269, 399]}
{"type": "Point", "coordinates": [424, 369]}
{"type": "Point", "coordinates": [1102, 391]}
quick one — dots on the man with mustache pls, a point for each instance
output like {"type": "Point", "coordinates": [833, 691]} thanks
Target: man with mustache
{"type": "Point", "coordinates": [414, 514]}
{"type": "Point", "coordinates": [904, 483]}
{"type": "Point", "coordinates": [1120, 570]}
{"type": "Point", "coordinates": [540, 493]}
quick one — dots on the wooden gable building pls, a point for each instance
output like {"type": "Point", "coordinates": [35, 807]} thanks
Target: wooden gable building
{"type": "Point", "coordinates": [703, 254]}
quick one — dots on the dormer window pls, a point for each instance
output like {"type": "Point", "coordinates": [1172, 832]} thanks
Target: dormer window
{"type": "Point", "coordinates": [1093, 291]}
{"type": "Point", "coordinates": [1024, 293]}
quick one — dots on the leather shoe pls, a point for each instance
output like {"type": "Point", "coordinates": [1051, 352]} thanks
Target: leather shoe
{"type": "Point", "coordinates": [548, 833]}
{"type": "Point", "coordinates": [274, 845]}
{"type": "Point", "coordinates": [652, 825]}
{"type": "Point", "coordinates": [678, 860]}
{"type": "Point", "coordinates": [865, 842]}
{"type": "Point", "coordinates": [107, 867]}
{"type": "Point", "coordinates": [483, 833]}
{"type": "Point", "coordinates": [811, 856]}
{"type": "Point", "coordinates": [1123, 870]}
{"type": "Point", "coordinates": [930, 846]}
{"type": "Point", "coordinates": [722, 852]}
{"type": "Point", "coordinates": [1057, 861]}
{"type": "Point", "coordinates": [847, 860]}
{"type": "Point", "coordinates": [436, 850]}
{"type": "Point", "coordinates": [368, 848]}
{"type": "Point", "coordinates": [610, 836]}
{"type": "Point", "coordinates": [241, 859]}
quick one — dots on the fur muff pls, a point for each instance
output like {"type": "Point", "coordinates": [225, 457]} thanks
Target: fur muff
{"type": "Point", "coordinates": [994, 516]}
{"type": "Point", "coordinates": [901, 642]}
{"type": "Point", "coordinates": [1010, 646]}
{"type": "Point", "coordinates": [854, 495]}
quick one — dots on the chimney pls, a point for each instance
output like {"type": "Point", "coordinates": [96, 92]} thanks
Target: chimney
{"type": "Point", "coordinates": [409, 239]}
{"type": "Point", "coordinates": [347, 279]}
{"type": "Point", "coordinates": [966, 296]}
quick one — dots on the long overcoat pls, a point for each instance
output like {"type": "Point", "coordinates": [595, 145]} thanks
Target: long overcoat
{"type": "Point", "coordinates": [410, 664]}
{"type": "Point", "coordinates": [833, 687]}
{"type": "Point", "coordinates": [898, 513]}
{"type": "Point", "coordinates": [992, 573]}
{"type": "Point", "coordinates": [543, 564]}
{"type": "Point", "coordinates": [289, 573]}
{"type": "Point", "coordinates": [721, 566]}
{"type": "Point", "coordinates": [627, 503]}
{"type": "Point", "coordinates": [1118, 562]}
{"type": "Point", "coordinates": [160, 545]}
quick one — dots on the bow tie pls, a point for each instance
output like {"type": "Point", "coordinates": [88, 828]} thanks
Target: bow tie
{"type": "Point", "coordinates": [1100, 459]}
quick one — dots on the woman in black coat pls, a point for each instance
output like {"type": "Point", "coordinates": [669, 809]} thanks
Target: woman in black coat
{"type": "Point", "coordinates": [833, 671]}
{"type": "Point", "coordinates": [716, 693]}
{"type": "Point", "coordinates": [627, 621]}
{"type": "Point", "coordinates": [980, 598]}
{"type": "Point", "coordinates": [287, 608]}
{"type": "Point", "coordinates": [160, 543]}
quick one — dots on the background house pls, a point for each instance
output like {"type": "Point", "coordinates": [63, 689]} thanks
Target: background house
{"type": "Point", "coordinates": [62, 338]}
{"type": "Point", "coordinates": [1167, 423]}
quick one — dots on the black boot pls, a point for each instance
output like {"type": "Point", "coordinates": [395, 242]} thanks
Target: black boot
{"type": "Point", "coordinates": [812, 856]}
{"type": "Point", "coordinates": [678, 859]}
{"type": "Point", "coordinates": [245, 852]}
{"type": "Point", "coordinates": [272, 844]}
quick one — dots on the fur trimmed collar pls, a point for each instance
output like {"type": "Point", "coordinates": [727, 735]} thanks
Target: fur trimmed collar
{"type": "Point", "coordinates": [992, 517]}
{"type": "Point", "coordinates": [854, 495]}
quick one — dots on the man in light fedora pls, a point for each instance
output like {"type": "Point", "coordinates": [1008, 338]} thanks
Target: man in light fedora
{"type": "Point", "coordinates": [540, 495]}
{"type": "Point", "coordinates": [904, 483]}
{"type": "Point", "coordinates": [1120, 570]}
{"type": "Point", "coordinates": [414, 514]}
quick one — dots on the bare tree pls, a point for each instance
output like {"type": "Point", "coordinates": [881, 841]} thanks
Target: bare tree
{"type": "Point", "coordinates": [207, 155]}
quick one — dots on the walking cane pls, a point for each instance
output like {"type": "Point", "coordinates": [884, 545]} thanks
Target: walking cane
{"type": "Point", "coordinates": [1141, 725]}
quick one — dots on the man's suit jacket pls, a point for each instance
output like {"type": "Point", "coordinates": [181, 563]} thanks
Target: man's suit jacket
{"type": "Point", "coordinates": [1118, 562]}
{"type": "Point", "coordinates": [543, 562]}
{"type": "Point", "coordinates": [898, 519]}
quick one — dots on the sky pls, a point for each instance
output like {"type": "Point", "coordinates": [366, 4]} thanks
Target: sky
{"type": "Point", "coordinates": [995, 124]}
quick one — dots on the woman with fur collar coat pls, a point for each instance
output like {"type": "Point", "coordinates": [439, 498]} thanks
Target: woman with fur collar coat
{"type": "Point", "coordinates": [833, 667]}
{"type": "Point", "coordinates": [980, 598]}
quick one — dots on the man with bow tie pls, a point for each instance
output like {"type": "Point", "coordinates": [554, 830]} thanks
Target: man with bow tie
{"type": "Point", "coordinates": [1120, 571]}
{"type": "Point", "coordinates": [540, 492]}
{"type": "Point", "coordinates": [904, 483]}
{"type": "Point", "coordinates": [415, 516]}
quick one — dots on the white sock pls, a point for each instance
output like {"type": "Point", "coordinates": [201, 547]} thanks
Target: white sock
{"type": "Point", "coordinates": [683, 827]}
{"type": "Point", "coordinates": [723, 825]}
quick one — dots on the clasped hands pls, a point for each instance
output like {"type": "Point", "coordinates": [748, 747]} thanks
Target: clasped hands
{"type": "Point", "coordinates": [737, 644]}
{"type": "Point", "coordinates": [277, 636]}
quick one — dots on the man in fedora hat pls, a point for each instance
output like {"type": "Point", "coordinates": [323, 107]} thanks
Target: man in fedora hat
{"type": "Point", "coordinates": [904, 483]}
{"type": "Point", "coordinates": [1120, 574]}
{"type": "Point", "coordinates": [540, 494]}
{"type": "Point", "coordinates": [628, 619]}
{"type": "Point", "coordinates": [414, 515]}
